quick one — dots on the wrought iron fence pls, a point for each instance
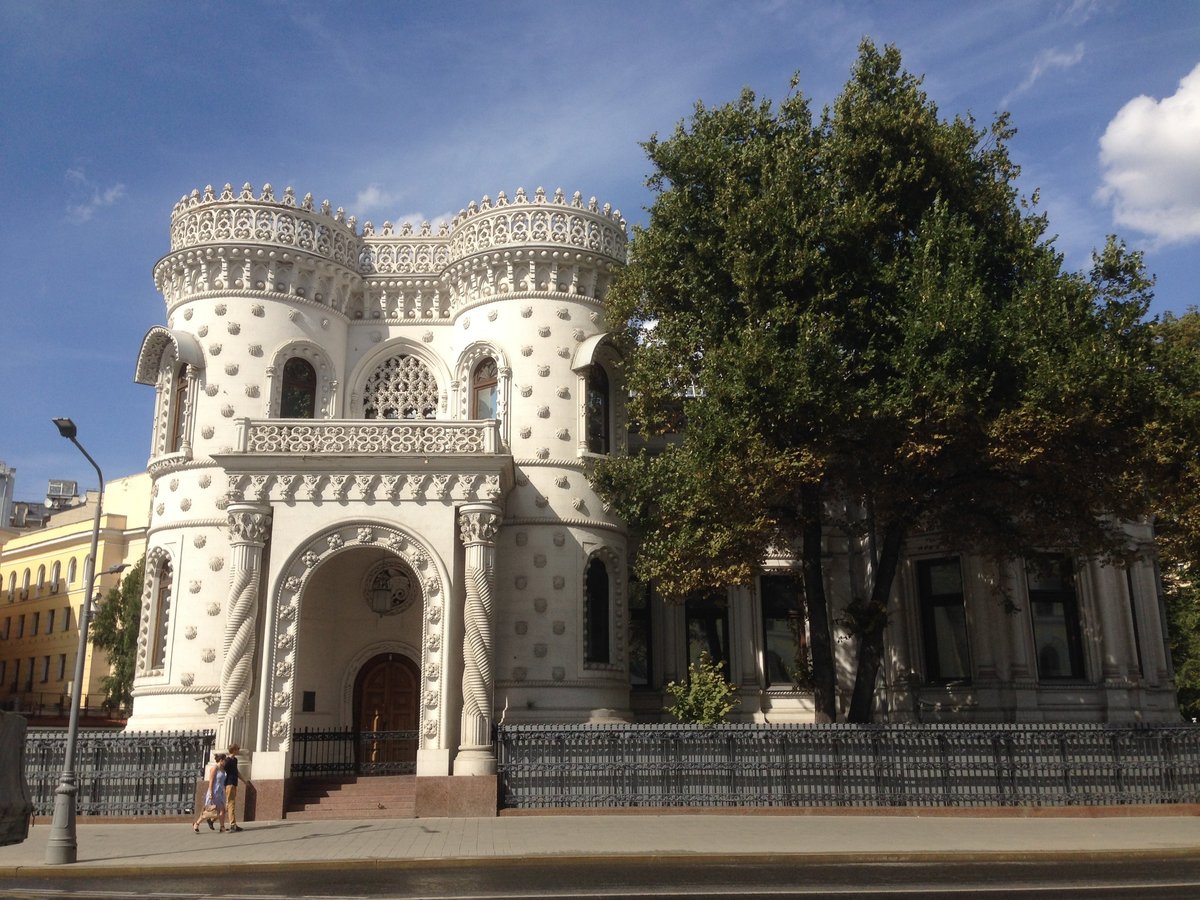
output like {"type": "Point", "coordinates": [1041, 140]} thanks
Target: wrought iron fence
{"type": "Point", "coordinates": [846, 765]}
{"type": "Point", "coordinates": [344, 751]}
{"type": "Point", "coordinates": [151, 773]}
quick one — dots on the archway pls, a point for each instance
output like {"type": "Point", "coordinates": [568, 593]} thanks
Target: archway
{"type": "Point", "coordinates": [387, 695]}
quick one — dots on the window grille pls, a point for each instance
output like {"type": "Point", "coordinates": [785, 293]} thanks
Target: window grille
{"type": "Point", "coordinates": [402, 387]}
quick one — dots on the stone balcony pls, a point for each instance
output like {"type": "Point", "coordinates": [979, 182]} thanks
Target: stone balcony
{"type": "Point", "coordinates": [371, 459]}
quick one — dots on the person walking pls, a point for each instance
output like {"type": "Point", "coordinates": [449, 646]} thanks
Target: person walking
{"type": "Point", "coordinates": [214, 797]}
{"type": "Point", "coordinates": [232, 779]}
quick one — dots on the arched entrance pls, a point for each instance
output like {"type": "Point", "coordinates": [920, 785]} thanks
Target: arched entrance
{"type": "Point", "coordinates": [386, 715]}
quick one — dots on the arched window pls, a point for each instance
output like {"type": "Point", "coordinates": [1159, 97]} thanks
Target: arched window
{"type": "Point", "coordinates": [25, 583]}
{"type": "Point", "coordinates": [484, 381]}
{"type": "Point", "coordinates": [55, 576]}
{"type": "Point", "coordinates": [401, 387]}
{"type": "Point", "coordinates": [596, 644]}
{"type": "Point", "coordinates": [72, 571]}
{"type": "Point", "coordinates": [12, 584]}
{"type": "Point", "coordinates": [179, 402]}
{"type": "Point", "coordinates": [41, 582]}
{"type": "Point", "coordinates": [298, 399]}
{"type": "Point", "coordinates": [596, 413]}
{"type": "Point", "coordinates": [159, 616]}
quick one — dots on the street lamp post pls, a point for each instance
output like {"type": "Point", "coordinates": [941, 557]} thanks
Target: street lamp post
{"type": "Point", "coordinates": [61, 846]}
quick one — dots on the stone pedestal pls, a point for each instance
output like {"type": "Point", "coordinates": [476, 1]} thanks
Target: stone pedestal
{"type": "Point", "coordinates": [15, 803]}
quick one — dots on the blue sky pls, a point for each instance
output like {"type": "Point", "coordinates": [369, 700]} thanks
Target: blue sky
{"type": "Point", "coordinates": [407, 111]}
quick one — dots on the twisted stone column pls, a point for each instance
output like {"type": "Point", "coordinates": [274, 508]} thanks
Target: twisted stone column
{"type": "Point", "coordinates": [249, 527]}
{"type": "Point", "coordinates": [478, 523]}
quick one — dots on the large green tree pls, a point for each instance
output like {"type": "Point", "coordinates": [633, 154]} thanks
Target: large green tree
{"type": "Point", "coordinates": [1177, 501]}
{"type": "Point", "coordinates": [115, 631]}
{"type": "Point", "coordinates": [854, 322]}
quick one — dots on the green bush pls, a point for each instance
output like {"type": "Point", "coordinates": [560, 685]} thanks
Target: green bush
{"type": "Point", "coordinates": [705, 698]}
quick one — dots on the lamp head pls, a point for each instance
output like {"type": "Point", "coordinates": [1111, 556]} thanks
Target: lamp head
{"type": "Point", "coordinates": [66, 427]}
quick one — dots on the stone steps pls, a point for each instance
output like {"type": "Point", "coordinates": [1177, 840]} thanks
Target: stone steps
{"type": "Point", "coordinates": [371, 797]}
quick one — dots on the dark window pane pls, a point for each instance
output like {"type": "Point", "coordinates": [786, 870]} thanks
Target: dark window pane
{"type": "Point", "coordinates": [596, 643]}
{"type": "Point", "coordinates": [639, 633]}
{"type": "Point", "coordinates": [1055, 610]}
{"type": "Point", "coordinates": [785, 643]}
{"type": "Point", "coordinates": [299, 397]}
{"type": "Point", "coordinates": [707, 615]}
{"type": "Point", "coordinates": [943, 620]}
{"type": "Point", "coordinates": [597, 411]}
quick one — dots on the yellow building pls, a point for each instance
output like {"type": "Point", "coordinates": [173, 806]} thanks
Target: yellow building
{"type": "Point", "coordinates": [42, 587]}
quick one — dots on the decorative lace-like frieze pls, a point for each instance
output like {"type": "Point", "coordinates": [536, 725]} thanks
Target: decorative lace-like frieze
{"type": "Point", "coordinates": [368, 437]}
{"type": "Point", "coordinates": [367, 486]}
{"type": "Point", "coordinates": [243, 218]}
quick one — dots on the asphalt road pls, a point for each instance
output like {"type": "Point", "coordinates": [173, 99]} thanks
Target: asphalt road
{"type": "Point", "coordinates": [650, 877]}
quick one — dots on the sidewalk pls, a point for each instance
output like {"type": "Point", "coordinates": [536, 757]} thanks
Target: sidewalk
{"type": "Point", "coordinates": [172, 847]}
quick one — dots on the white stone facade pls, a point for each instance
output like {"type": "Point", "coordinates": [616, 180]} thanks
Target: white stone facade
{"type": "Point", "coordinates": [375, 444]}
{"type": "Point", "coordinates": [265, 530]}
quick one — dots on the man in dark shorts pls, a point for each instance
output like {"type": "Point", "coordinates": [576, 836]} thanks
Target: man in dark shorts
{"type": "Point", "coordinates": [232, 780]}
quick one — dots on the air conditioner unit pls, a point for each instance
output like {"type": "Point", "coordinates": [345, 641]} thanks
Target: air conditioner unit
{"type": "Point", "coordinates": [60, 490]}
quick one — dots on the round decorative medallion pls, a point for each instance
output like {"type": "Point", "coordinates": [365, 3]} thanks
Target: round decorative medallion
{"type": "Point", "coordinates": [390, 588]}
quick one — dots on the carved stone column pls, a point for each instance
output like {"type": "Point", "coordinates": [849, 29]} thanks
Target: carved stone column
{"type": "Point", "coordinates": [478, 523]}
{"type": "Point", "coordinates": [249, 528]}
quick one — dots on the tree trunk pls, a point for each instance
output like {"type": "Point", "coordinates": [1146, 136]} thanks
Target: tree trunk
{"type": "Point", "coordinates": [870, 642]}
{"type": "Point", "coordinates": [824, 680]}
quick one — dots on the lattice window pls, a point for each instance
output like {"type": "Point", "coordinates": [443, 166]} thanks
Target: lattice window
{"type": "Point", "coordinates": [401, 387]}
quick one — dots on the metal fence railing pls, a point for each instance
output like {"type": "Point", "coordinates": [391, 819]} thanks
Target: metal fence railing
{"type": "Point", "coordinates": [846, 765]}
{"type": "Point", "coordinates": [119, 773]}
{"type": "Point", "coordinates": [345, 751]}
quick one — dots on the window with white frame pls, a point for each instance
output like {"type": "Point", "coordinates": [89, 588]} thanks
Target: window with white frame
{"type": "Point", "coordinates": [161, 586]}
{"type": "Point", "coordinates": [177, 427]}
{"type": "Point", "coordinates": [485, 381]}
{"type": "Point", "coordinates": [598, 410]}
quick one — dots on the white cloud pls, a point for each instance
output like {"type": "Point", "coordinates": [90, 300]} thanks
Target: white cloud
{"type": "Point", "coordinates": [94, 197]}
{"type": "Point", "coordinates": [1048, 59]}
{"type": "Point", "coordinates": [1080, 11]}
{"type": "Point", "coordinates": [373, 197]}
{"type": "Point", "coordinates": [1150, 157]}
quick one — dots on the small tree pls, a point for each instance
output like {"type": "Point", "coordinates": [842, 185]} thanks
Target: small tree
{"type": "Point", "coordinates": [705, 698]}
{"type": "Point", "coordinates": [115, 630]}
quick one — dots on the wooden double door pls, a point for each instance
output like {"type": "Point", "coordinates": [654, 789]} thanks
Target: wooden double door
{"type": "Point", "coordinates": [387, 701]}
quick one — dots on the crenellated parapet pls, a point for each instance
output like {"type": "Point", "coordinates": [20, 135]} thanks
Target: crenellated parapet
{"type": "Point", "coordinates": [259, 245]}
{"type": "Point", "coordinates": [240, 242]}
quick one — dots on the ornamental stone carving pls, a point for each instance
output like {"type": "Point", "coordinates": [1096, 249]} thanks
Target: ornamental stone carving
{"type": "Point", "coordinates": [249, 526]}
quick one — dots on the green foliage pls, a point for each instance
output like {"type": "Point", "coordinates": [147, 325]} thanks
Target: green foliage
{"type": "Point", "coordinates": [114, 629]}
{"type": "Point", "coordinates": [872, 332]}
{"type": "Point", "coordinates": [1177, 499]}
{"type": "Point", "coordinates": [705, 698]}
{"type": "Point", "coordinates": [1182, 595]}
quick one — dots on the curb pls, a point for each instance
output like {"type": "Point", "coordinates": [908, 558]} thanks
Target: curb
{"type": "Point", "coordinates": [849, 857]}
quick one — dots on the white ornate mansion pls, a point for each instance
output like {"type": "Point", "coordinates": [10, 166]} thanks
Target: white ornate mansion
{"type": "Point", "coordinates": [372, 510]}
